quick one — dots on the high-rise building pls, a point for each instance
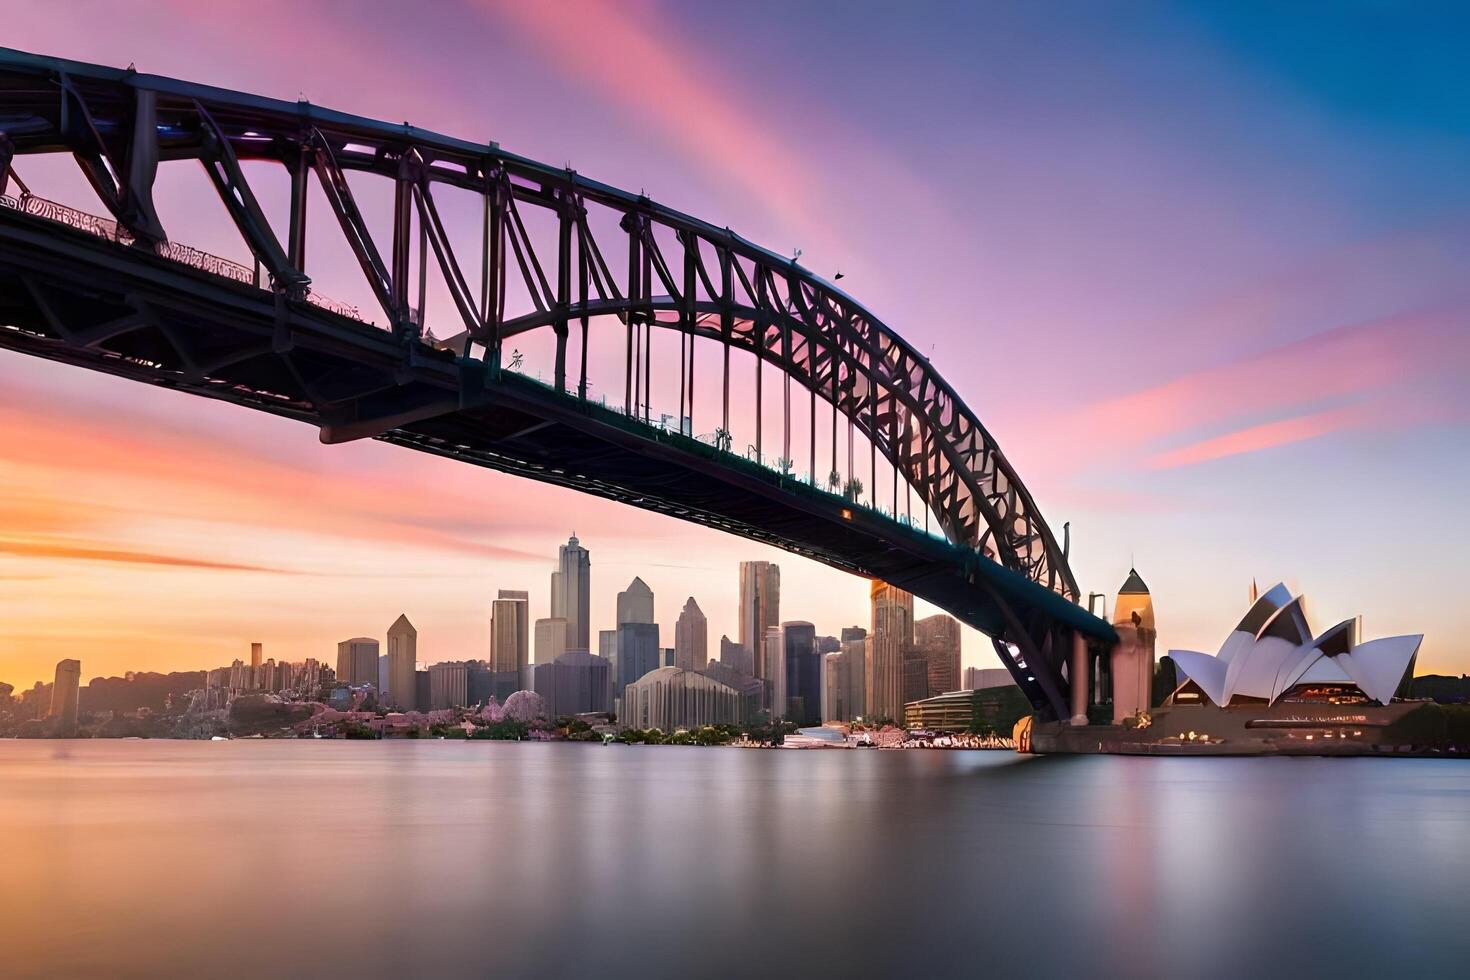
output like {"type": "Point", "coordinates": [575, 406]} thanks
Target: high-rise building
{"type": "Point", "coordinates": [760, 607]}
{"type": "Point", "coordinates": [854, 663]}
{"type": "Point", "coordinates": [357, 661]}
{"type": "Point", "coordinates": [65, 695]}
{"type": "Point", "coordinates": [576, 683]}
{"type": "Point", "coordinates": [915, 678]}
{"type": "Point", "coordinates": [752, 691]}
{"type": "Point", "coordinates": [669, 699]}
{"type": "Point", "coordinates": [551, 639]}
{"type": "Point", "coordinates": [891, 636]}
{"type": "Point", "coordinates": [510, 632]}
{"type": "Point", "coordinates": [571, 593]}
{"type": "Point", "coordinates": [403, 656]}
{"type": "Point", "coordinates": [834, 687]}
{"type": "Point", "coordinates": [449, 686]}
{"type": "Point", "coordinates": [803, 673]}
{"type": "Point", "coordinates": [635, 603]}
{"type": "Point", "coordinates": [638, 653]}
{"type": "Point", "coordinates": [937, 639]}
{"type": "Point", "coordinates": [736, 656]}
{"type": "Point", "coordinates": [691, 638]}
{"type": "Point", "coordinates": [257, 650]}
{"type": "Point", "coordinates": [774, 671]}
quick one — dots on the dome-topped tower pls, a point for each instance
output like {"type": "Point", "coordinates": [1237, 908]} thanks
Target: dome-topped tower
{"type": "Point", "coordinates": [1134, 597]}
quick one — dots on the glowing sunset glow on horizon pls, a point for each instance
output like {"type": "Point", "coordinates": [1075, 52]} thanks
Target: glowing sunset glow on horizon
{"type": "Point", "coordinates": [1212, 347]}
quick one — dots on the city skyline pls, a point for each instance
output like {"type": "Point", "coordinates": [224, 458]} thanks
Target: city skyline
{"type": "Point", "coordinates": [1320, 337]}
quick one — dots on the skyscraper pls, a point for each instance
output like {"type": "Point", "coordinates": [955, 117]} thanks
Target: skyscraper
{"type": "Point", "coordinates": [938, 641]}
{"type": "Point", "coordinates": [760, 607]}
{"type": "Point", "coordinates": [638, 653]}
{"type": "Point", "coordinates": [65, 694]}
{"type": "Point", "coordinates": [691, 638]}
{"type": "Point", "coordinates": [891, 637]}
{"type": "Point", "coordinates": [834, 687]}
{"type": "Point", "coordinates": [510, 626]}
{"type": "Point", "coordinates": [854, 663]}
{"type": "Point", "coordinates": [803, 673]}
{"type": "Point", "coordinates": [571, 592]}
{"type": "Point", "coordinates": [551, 639]}
{"type": "Point", "coordinates": [737, 656]}
{"type": "Point", "coordinates": [403, 654]}
{"type": "Point", "coordinates": [257, 650]}
{"type": "Point", "coordinates": [774, 666]}
{"type": "Point", "coordinates": [635, 603]}
{"type": "Point", "coordinates": [357, 661]}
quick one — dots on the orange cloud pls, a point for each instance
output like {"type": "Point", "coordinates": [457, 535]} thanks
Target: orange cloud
{"type": "Point", "coordinates": [45, 549]}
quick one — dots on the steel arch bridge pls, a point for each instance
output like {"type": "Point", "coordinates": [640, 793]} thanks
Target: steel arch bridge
{"type": "Point", "coordinates": [557, 252]}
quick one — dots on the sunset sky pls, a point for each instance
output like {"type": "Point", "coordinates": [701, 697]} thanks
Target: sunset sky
{"type": "Point", "coordinates": [1203, 270]}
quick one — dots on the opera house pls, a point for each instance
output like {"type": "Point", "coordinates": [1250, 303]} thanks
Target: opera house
{"type": "Point", "coordinates": [1272, 658]}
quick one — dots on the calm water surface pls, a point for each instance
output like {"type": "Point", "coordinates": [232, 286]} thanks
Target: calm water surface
{"type": "Point", "coordinates": [321, 859]}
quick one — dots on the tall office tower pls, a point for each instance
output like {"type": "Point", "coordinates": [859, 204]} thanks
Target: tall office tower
{"type": "Point", "coordinates": [938, 641]}
{"type": "Point", "coordinates": [510, 632]}
{"type": "Point", "coordinates": [892, 635]}
{"type": "Point", "coordinates": [854, 661]}
{"type": "Point", "coordinates": [760, 607]}
{"type": "Point", "coordinates": [403, 656]}
{"type": "Point", "coordinates": [803, 673]}
{"type": "Point", "coordinates": [239, 679]}
{"type": "Point", "coordinates": [65, 694]}
{"type": "Point", "coordinates": [915, 677]}
{"type": "Point", "coordinates": [773, 663]}
{"type": "Point", "coordinates": [448, 686]}
{"type": "Point", "coordinates": [736, 656]}
{"type": "Point", "coordinates": [635, 603]}
{"type": "Point", "coordinates": [571, 592]}
{"type": "Point", "coordinates": [691, 638]}
{"type": "Point", "coordinates": [311, 675]}
{"type": "Point", "coordinates": [638, 653]}
{"type": "Point", "coordinates": [357, 661]}
{"type": "Point", "coordinates": [834, 687]}
{"type": "Point", "coordinates": [257, 650]}
{"type": "Point", "coordinates": [551, 639]}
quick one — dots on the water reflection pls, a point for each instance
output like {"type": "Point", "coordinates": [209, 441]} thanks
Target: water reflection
{"type": "Point", "coordinates": [410, 858]}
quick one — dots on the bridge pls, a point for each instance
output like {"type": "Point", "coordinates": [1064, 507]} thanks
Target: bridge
{"type": "Point", "coordinates": [876, 466]}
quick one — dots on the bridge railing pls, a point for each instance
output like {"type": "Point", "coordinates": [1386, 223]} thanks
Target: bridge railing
{"type": "Point", "coordinates": [188, 255]}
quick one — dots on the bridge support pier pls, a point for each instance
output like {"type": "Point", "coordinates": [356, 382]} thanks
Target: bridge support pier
{"type": "Point", "coordinates": [1077, 678]}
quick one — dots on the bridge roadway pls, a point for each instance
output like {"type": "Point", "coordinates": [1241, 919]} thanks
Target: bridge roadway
{"type": "Point", "coordinates": [72, 295]}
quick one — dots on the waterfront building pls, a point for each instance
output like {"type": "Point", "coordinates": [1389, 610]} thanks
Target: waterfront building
{"type": "Point", "coordinates": [575, 683]}
{"type": "Point", "coordinates": [982, 678]}
{"type": "Point", "coordinates": [1272, 657]}
{"type": "Point", "coordinates": [691, 638]}
{"type": "Point", "coordinates": [854, 665]}
{"type": "Point", "coordinates": [448, 686]}
{"type": "Point", "coordinates": [65, 695]}
{"type": "Point", "coordinates": [891, 636]}
{"type": "Point", "coordinates": [953, 711]}
{"type": "Point", "coordinates": [1131, 666]}
{"type": "Point", "coordinates": [357, 662]}
{"type": "Point", "coordinates": [760, 608]}
{"type": "Point", "coordinates": [571, 592]}
{"type": "Point", "coordinates": [670, 699]}
{"type": "Point", "coordinates": [638, 653]}
{"type": "Point", "coordinates": [751, 689]}
{"type": "Point", "coordinates": [422, 690]}
{"type": "Point", "coordinates": [736, 656]}
{"type": "Point", "coordinates": [551, 639]}
{"type": "Point", "coordinates": [510, 631]}
{"type": "Point", "coordinates": [803, 673]}
{"type": "Point", "coordinates": [403, 653]}
{"type": "Point", "coordinates": [635, 603]}
{"type": "Point", "coordinates": [774, 672]}
{"type": "Point", "coordinates": [937, 638]}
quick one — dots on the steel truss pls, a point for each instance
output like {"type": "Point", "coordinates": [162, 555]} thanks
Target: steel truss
{"type": "Point", "coordinates": [679, 274]}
